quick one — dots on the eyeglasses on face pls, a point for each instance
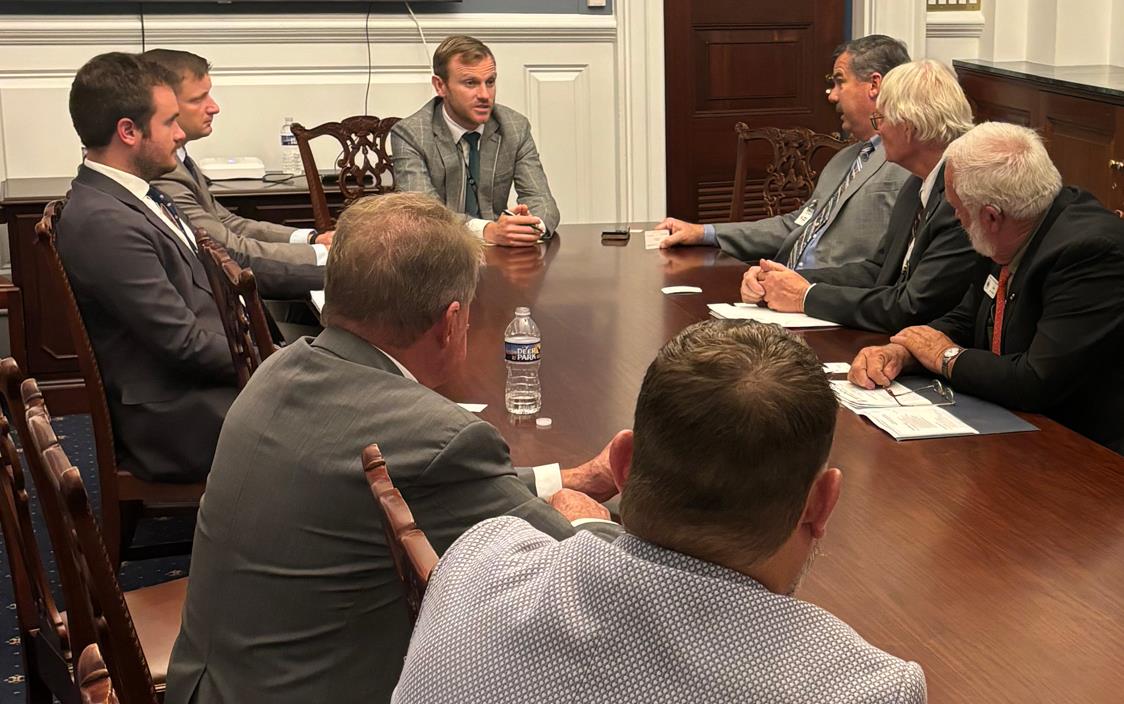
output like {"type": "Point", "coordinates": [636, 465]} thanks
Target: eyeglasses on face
{"type": "Point", "coordinates": [876, 119]}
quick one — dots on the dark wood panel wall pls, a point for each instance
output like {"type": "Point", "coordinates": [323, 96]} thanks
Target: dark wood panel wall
{"type": "Point", "coordinates": [730, 61]}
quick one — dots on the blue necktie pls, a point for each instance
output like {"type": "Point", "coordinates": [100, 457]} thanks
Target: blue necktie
{"type": "Point", "coordinates": [820, 220]}
{"type": "Point", "coordinates": [471, 196]}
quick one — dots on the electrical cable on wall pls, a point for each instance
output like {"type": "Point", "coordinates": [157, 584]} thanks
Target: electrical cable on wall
{"type": "Point", "coordinates": [370, 68]}
{"type": "Point", "coordinates": [421, 32]}
{"type": "Point", "coordinates": [143, 43]}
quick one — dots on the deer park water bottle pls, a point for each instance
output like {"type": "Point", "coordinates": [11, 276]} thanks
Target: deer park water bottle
{"type": "Point", "coordinates": [522, 347]}
{"type": "Point", "coordinates": [290, 152]}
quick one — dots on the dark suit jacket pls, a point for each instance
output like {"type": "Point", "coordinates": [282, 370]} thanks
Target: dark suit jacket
{"type": "Point", "coordinates": [873, 294]}
{"type": "Point", "coordinates": [1063, 324]}
{"type": "Point", "coordinates": [293, 596]}
{"type": "Point", "coordinates": [154, 327]}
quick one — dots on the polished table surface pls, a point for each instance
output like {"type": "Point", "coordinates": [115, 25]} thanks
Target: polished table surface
{"type": "Point", "coordinates": [997, 562]}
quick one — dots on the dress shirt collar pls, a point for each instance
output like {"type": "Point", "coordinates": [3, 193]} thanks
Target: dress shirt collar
{"type": "Point", "coordinates": [929, 182]}
{"type": "Point", "coordinates": [131, 182]}
{"type": "Point", "coordinates": [405, 372]}
{"type": "Point", "coordinates": [454, 127]}
{"type": "Point", "coordinates": [182, 154]}
{"type": "Point", "coordinates": [876, 141]}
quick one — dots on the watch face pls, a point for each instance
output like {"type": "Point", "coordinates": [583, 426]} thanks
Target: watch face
{"type": "Point", "coordinates": [951, 352]}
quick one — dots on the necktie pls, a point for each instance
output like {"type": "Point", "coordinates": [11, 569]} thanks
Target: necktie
{"type": "Point", "coordinates": [820, 220]}
{"type": "Point", "coordinates": [917, 218]}
{"type": "Point", "coordinates": [189, 163]}
{"type": "Point", "coordinates": [169, 209]}
{"type": "Point", "coordinates": [471, 196]}
{"type": "Point", "coordinates": [1000, 306]}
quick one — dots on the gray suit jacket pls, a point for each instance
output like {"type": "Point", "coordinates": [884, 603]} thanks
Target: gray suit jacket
{"type": "Point", "coordinates": [854, 226]}
{"type": "Point", "coordinates": [293, 596]}
{"type": "Point", "coordinates": [256, 238]}
{"type": "Point", "coordinates": [513, 616]}
{"type": "Point", "coordinates": [426, 160]}
{"type": "Point", "coordinates": [154, 327]}
{"type": "Point", "coordinates": [874, 295]}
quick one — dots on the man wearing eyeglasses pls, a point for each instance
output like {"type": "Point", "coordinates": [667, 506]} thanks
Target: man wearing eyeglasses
{"type": "Point", "coordinates": [848, 210]}
{"type": "Point", "coordinates": [924, 262]}
{"type": "Point", "coordinates": [1040, 328]}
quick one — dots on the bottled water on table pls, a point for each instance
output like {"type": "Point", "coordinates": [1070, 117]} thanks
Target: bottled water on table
{"type": "Point", "coordinates": [290, 152]}
{"type": "Point", "coordinates": [522, 347]}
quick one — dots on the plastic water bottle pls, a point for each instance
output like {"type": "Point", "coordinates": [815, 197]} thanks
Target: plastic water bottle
{"type": "Point", "coordinates": [522, 348]}
{"type": "Point", "coordinates": [290, 152]}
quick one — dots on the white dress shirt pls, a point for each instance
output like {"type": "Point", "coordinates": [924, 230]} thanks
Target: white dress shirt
{"type": "Point", "coordinates": [139, 187]}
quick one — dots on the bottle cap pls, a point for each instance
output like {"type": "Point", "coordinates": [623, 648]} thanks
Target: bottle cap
{"type": "Point", "coordinates": [543, 423]}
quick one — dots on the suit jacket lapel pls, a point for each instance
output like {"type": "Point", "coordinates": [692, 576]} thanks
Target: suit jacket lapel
{"type": "Point", "coordinates": [873, 163]}
{"type": "Point", "coordinates": [489, 155]}
{"type": "Point", "coordinates": [196, 177]}
{"type": "Point", "coordinates": [110, 187]}
{"type": "Point", "coordinates": [905, 209]}
{"type": "Point", "coordinates": [451, 158]}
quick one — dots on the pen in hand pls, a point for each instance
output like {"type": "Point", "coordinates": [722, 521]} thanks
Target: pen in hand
{"type": "Point", "coordinates": [538, 225]}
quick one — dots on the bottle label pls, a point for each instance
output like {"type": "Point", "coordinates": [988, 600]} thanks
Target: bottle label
{"type": "Point", "coordinates": [522, 352]}
{"type": "Point", "coordinates": [288, 140]}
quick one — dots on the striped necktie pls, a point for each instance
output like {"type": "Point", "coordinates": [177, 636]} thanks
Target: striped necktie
{"type": "Point", "coordinates": [170, 211]}
{"type": "Point", "coordinates": [820, 220]}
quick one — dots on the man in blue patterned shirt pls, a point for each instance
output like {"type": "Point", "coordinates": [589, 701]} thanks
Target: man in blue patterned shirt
{"type": "Point", "coordinates": [694, 603]}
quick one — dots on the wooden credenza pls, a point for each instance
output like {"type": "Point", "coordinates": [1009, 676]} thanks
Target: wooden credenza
{"type": "Point", "coordinates": [40, 339]}
{"type": "Point", "coordinates": [1079, 110]}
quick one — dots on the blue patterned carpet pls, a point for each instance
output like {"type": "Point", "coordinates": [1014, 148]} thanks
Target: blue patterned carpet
{"type": "Point", "coordinates": [76, 436]}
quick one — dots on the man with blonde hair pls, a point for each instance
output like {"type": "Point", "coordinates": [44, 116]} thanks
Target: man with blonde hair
{"type": "Point", "coordinates": [1041, 328]}
{"type": "Point", "coordinates": [924, 262]}
{"type": "Point", "coordinates": [467, 150]}
{"type": "Point", "coordinates": [293, 593]}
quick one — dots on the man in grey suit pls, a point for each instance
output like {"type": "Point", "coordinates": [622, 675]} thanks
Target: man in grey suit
{"type": "Point", "coordinates": [466, 150]}
{"type": "Point", "coordinates": [848, 210]}
{"type": "Point", "coordinates": [132, 262]}
{"type": "Point", "coordinates": [188, 187]}
{"type": "Point", "coordinates": [293, 595]}
{"type": "Point", "coordinates": [924, 262]}
{"type": "Point", "coordinates": [694, 603]}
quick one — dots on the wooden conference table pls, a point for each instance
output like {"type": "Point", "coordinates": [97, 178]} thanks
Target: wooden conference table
{"type": "Point", "coordinates": [997, 562]}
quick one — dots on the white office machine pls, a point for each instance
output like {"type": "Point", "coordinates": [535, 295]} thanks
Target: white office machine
{"type": "Point", "coordinates": [229, 168]}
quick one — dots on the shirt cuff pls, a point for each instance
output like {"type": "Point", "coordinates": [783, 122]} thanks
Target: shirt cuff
{"type": "Point", "coordinates": [548, 479]}
{"type": "Point", "coordinates": [321, 254]}
{"type": "Point", "coordinates": [804, 301]}
{"type": "Point", "coordinates": [301, 236]}
{"type": "Point", "coordinates": [582, 521]}
{"type": "Point", "coordinates": [476, 225]}
{"type": "Point", "coordinates": [710, 237]}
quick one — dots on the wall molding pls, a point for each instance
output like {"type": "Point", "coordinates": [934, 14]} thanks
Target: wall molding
{"type": "Point", "coordinates": [172, 30]}
{"type": "Point", "coordinates": [955, 25]}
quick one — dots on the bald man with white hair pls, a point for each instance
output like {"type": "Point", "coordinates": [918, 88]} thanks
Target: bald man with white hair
{"type": "Point", "coordinates": [924, 262]}
{"type": "Point", "coordinates": [1041, 329]}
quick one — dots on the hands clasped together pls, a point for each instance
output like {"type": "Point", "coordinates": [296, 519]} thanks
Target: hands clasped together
{"type": "Point", "coordinates": [781, 288]}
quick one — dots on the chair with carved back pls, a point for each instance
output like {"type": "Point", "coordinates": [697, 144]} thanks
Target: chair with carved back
{"type": "Point", "coordinates": [44, 639]}
{"type": "Point", "coordinates": [240, 307]}
{"type": "Point", "coordinates": [93, 678]}
{"type": "Point", "coordinates": [414, 558]}
{"type": "Point", "coordinates": [134, 630]}
{"type": "Point", "coordinates": [791, 177]}
{"type": "Point", "coordinates": [125, 498]}
{"type": "Point", "coordinates": [363, 154]}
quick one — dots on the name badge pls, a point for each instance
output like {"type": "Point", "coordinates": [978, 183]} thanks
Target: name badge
{"type": "Point", "coordinates": [806, 214]}
{"type": "Point", "coordinates": [991, 286]}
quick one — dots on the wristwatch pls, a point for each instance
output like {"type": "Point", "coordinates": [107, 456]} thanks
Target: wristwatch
{"type": "Point", "coordinates": [312, 237]}
{"type": "Point", "coordinates": [946, 358]}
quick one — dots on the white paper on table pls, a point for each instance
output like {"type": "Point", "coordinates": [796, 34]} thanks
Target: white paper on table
{"type": "Point", "coordinates": [681, 289]}
{"type": "Point", "coordinates": [858, 399]}
{"type": "Point", "coordinates": [317, 300]}
{"type": "Point", "coordinates": [917, 423]}
{"type": "Point", "coordinates": [749, 311]}
{"type": "Point", "coordinates": [836, 367]}
{"type": "Point", "coordinates": [473, 407]}
{"type": "Point", "coordinates": [652, 238]}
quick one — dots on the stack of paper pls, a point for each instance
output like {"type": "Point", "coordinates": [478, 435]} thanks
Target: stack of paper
{"type": "Point", "coordinates": [914, 418]}
{"type": "Point", "coordinates": [749, 311]}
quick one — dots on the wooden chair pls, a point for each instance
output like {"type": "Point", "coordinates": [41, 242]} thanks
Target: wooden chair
{"type": "Point", "coordinates": [44, 639]}
{"type": "Point", "coordinates": [414, 558]}
{"type": "Point", "coordinates": [240, 307]}
{"type": "Point", "coordinates": [134, 630]}
{"type": "Point", "coordinates": [93, 678]}
{"type": "Point", "coordinates": [363, 153]}
{"type": "Point", "coordinates": [125, 498]}
{"type": "Point", "coordinates": [791, 177]}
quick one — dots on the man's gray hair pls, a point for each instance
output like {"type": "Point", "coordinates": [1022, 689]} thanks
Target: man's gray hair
{"type": "Point", "coordinates": [926, 97]}
{"type": "Point", "coordinates": [875, 53]}
{"type": "Point", "coordinates": [397, 261]}
{"type": "Point", "coordinates": [1006, 166]}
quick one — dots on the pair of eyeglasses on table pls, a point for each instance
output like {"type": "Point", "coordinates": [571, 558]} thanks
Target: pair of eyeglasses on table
{"type": "Point", "coordinates": [942, 390]}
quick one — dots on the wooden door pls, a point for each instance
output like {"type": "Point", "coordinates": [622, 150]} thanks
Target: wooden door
{"type": "Point", "coordinates": [761, 62]}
